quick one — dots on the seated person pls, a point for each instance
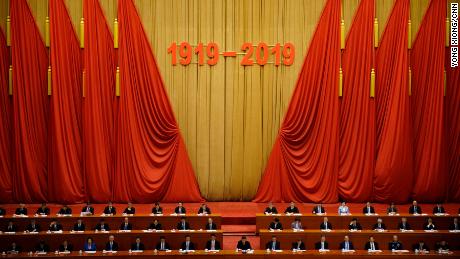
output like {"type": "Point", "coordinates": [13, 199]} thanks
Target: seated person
{"type": "Point", "coordinates": [162, 245]}
{"type": "Point", "coordinates": [55, 226]}
{"type": "Point", "coordinates": [130, 210]}
{"type": "Point", "coordinates": [79, 226]}
{"type": "Point", "coordinates": [415, 209]}
{"type": "Point", "coordinates": [65, 247]}
{"type": "Point", "coordinates": [380, 225]}
{"type": "Point", "coordinates": [354, 225]}
{"type": "Point", "coordinates": [443, 246]}
{"type": "Point", "coordinates": [88, 209]}
{"type": "Point", "coordinates": [42, 247]}
{"type": "Point", "coordinates": [126, 225]}
{"type": "Point", "coordinates": [14, 248]}
{"type": "Point", "coordinates": [137, 245]}
{"type": "Point", "coordinates": [429, 225]}
{"type": "Point", "coordinates": [65, 210]}
{"type": "Point", "coordinates": [275, 225]}
{"type": "Point", "coordinates": [89, 245]}
{"type": "Point", "coordinates": [292, 209]}
{"type": "Point", "coordinates": [297, 225]}
{"type": "Point", "coordinates": [183, 225]}
{"type": "Point", "coordinates": [211, 225]}
{"type": "Point", "coordinates": [395, 244]}
{"type": "Point", "coordinates": [299, 245]}
{"type": "Point", "coordinates": [371, 244]}
{"type": "Point", "coordinates": [270, 209]}
{"type": "Point", "coordinates": [213, 243]}
{"type": "Point", "coordinates": [33, 226]}
{"type": "Point", "coordinates": [439, 209]}
{"type": "Point", "coordinates": [346, 244]}
{"type": "Point", "coordinates": [22, 210]}
{"type": "Point", "coordinates": [111, 245]}
{"type": "Point", "coordinates": [110, 209]}
{"type": "Point", "coordinates": [155, 225]}
{"type": "Point", "coordinates": [102, 226]}
{"type": "Point", "coordinates": [204, 209]}
{"type": "Point", "coordinates": [325, 225]}
{"type": "Point", "coordinates": [157, 209]}
{"type": "Point", "coordinates": [404, 225]}
{"type": "Point", "coordinates": [421, 246]}
{"type": "Point", "coordinates": [368, 209]}
{"type": "Point", "coordinates": [455, 225]}
{"type": "Point", "coordinates": [273, 244]}
{"type": "Point", "coordinates": [11, 227]}
{"type": "Point", "coordinates": [180, 209]}
{"type": "Point", "coordinates": [343, 209]}
{"type": "Point", "coordinates": [43, 210]}
{"type": "Point", "coordinates": [187, 245]}
{"type": "Point", "coordinates": [318, 209]}
{"type": "Point", "coordinates": [243, 244]}
{"type": "Point", "coordinates": [2, 212]}
{"type": "Point", "coordinates": [322, 244]}
{"type": "Point", "coordinates": [392, 209]}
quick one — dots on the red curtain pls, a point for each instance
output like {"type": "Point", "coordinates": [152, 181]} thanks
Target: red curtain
{"type": "Point", "coordinates": [357, 110]}
{"type": "Point", "coordinates": [98, 104]}
{"type": "Point", "coordinates": [30, 102]}
{"type": "Point", "coordinates": [427, 63]}
{"type": "Point", "coordinates": [303, 164]}
{"type": "Point", "coordinates": [6, 158]}
{"type": "Point", "coordinates": [152, 162]}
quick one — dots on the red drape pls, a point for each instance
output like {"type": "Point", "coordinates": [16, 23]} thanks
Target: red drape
{"type": "Point", "coordinates": [152, 162]}
{"type": "Point", "coordinates": [98, 104]}
{"type": "Point", "coordinates": [394, 163]}
{"type": "Point", "coordinates": [303, 164]}
{"type": "Point", "coordinates": [6, 158]}
{"type": "Point", "coordinates": [427, 63]}
{"type": "Point", "coordinates": [30, 102]}
{"type": "Point", "coordinates": [357, 110]}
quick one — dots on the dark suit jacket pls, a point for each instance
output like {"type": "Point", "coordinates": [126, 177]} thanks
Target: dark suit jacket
{"type": "Point", "coordinates": [291, 210]}
{"type": "Point", "coordinates": [371, 209]}
{"type": "Point", "coordinates": [108, 210]}
{"type": "Point", "coordinates": [55, 227]}
{"type": "Point", "coordinates": [323, 226]}
{"type": "Point", "coordinates": [445, 247]}
{"type": "Point", "coordinates": [134, 246]}
{"type": "Point", "coordinates": [432, 227]}
{"type": "Point", "coordinates": [69, 248]}
{"type": "Point", "coordinates": [128, 227]}
{"type": "Point", "coordinates": [130, 211]}
{"type": "Point", "coordinates": [158, 246]}
{"type": "Point", "coordinates": [278, 226]}
{"type": "Point", "coordinates": [45, 211]}
{"type": "Point", "coordinates": [454, 227]}
{"type": "Point", "coordinates": [176, 210]}
{"type": "Point", "coordinates": [114, 246]}
{"type": "Point", "coordinates": [296, 246]}
{"type": "Point", "coordinates": [438, 210]}
{"type": "Point", "coordinates": [91, 209]}
{"type": "Point", "coordinates": [390, 209]}
{"type": "Point", "coordinates": [44, 248]}
{"type": "Point", "coordinates": [200, 211]}
{"type": "Point", "coordinates": [400, 226]}
{"type": "Point", "coordinates": [180, 227]}
{"type": "Point", "coordinates": [156, 210]}
{"type": "Point", "coordinates": [81, 228]}
{"type": "Point", "coordinates": [417, 209]}
{"type": "Point", "coordinates": [417, 246]}
{"type": "Point", "coordinates": [318, 245]}
{"type": "Point", "coordinates": [269, 245]}
{"type": "Point", "coordinates": [20, 211]}
{"type": "Point", "coordinates": [99, 227]}
{"type": "Point", "coordinates": [2, 212]}
{"type": "Point", "coordinates": [395, 246]}
{"type": "Point", "coordinates": [217, 245]}
{"type": "Point", "coordinates": [320, 210]}
{"type": "Point", "coordinates": [368, 246]}
{"type": "Point", "coordinates": [156, 227]}
{"type": "Point", "coordinates": [212, 227]}
{"type": "Point", "coordinates": [17, 249]}
{"type": "Point", "coordinates": [350, 245]}
{"type": "Point", "coordinates": [13, 228]}
{"type": "Point", "coordinates": [382, 226]}
{"type": "Point", "coordinates": [191, 246]}
{"type": "Point", "coordinates": [35, 228]}
{"type": "Point", "coordinates": [272, 210]}
{"type": "Point", "coordinates": [245, 246]}
{"type": "Point", "coordinates": [65, 211]}
{"type": "Point", "coordinates": [356, 227]}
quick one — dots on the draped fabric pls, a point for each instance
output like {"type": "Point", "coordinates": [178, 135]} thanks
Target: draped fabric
{"type": "Point", "coordinates": [152, 162]}
{"type": "Point", "coordinates": [30, 103]}
{"type": "Point", "coordinates": [303, 164]}
{"type": "Point", "coordinates": [98, 104]}
{"type": "Point", "coordinates": [357, 110]}
{"type": "Point", "coordinates": [427, 104]}
{"type": "Point", "coordinates": [6, 158]}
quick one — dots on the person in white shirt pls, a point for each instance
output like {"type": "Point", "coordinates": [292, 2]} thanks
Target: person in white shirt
{"type": "Point", "coordinates": [343, 209]}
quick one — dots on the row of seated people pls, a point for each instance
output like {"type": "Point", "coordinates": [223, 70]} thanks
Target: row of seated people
{"type": "Point", "coordinates": [109, 210]}
{"type": "Point", "coordinates": [344, 210]}
{"type": "Point", "coordinates": [355, 225]}
{"type": "Point", "coordinates": [103, 226]}
{"type": "Point", "coordinates": [112, 245]}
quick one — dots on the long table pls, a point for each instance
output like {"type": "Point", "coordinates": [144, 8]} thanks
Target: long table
{"type": "Point", "coordinates": [359, 238]}
{"type": "Point", "coordinates": [257, 254]}
{"type": "Point", "coordinates": [139, 221]}
{"type": "Point", "coordinates": [311, 221]}
{"type": "Point", "coordinates": [28, 241]}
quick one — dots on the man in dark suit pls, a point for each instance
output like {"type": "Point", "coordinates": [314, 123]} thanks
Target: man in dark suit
{"type": "Point", "coordinates": [243, 244]}
{"type": "Point", "coordinates": [368, 209]}
{"type": "Point", "coordinates": [183, 225]}
{"type": "Point", "coordinates": [157, 209]}
{"type": "Point", "coordinates": [439, 209]}
{"type": "Point", "coordinates": [276, 225]}
{"type": "Point", "coordinates": [211, 225]}
{"type": "Point", "coordinates": [379, 225]}
{"type": "Point", "coordinates": [43, 210]}
{"type": "Point", "coordinates": [65, 210]}
{"type": "Point", "coordinates": [299, 245]}
{"type": "Point", "coordinates": [180, 209]}
{"type": "Point", "coordinates": [110, 209]}
{"type": "Point", "coordinates": [22, 210]}
{"type": "Point", "coordinates": [42, 247]}
{"type": "Point", "coordinates": [111, 245]}
{"type": "Point", "coordinates": [126, 225]}
{"type": "Point", "coordinates": [371, 245]}
{"type": "Point", "coordinates": [322, 244]}
{"type": "Point", "coordinates": [454, 225]}
{"type": "Point", "coordinates": [2, 212]}
{"type": "Point", "coordinates": [187, 245]}
{"type": "Point", "coordinates": [213, 243]}
{"type": "Point", "coordinates": [270, 209]}
{"type": "Point", "coordinates": [443, 245]}
{"type": "Point", "coordinates": [55, 226]}
{"type": "Point", "coordinates": [325, 225]}
{"type": "Point", "coordinates": [292, 209]}
{"type": "Point", "coordinates": [137, 246]}
{"type": "Point", "coordinates": [346, 244]}
{"type": "Point", "coordinates": [65, 247]}
{"type": "Point", "coordinates": [318, 209]}
{"type": "Point", "coordinates": [162, 245]}
{"type": "Point", "coordinates": [204, 209]}
{"type": "Point", "coordinates": [421, 246]}
{"type": "Point", "coordinates": [429, 225]}
{"type": "Point", "coordinates": [79, 226]}
{"type": "Point", "coordinates": [88, 209]}
{"type": "Point", "coordinates": [102, 226]}
{"type": "Point", "coordinates": [274, 244]}
{"type": "Point", "coordinates": [155, 225]}
{"type": "Point", "coordinates": [33, 226]}
{"type": "Point", "coordinates": [395, 244]}
{"type": "Point", "coordinates": [11, 227]}
{"type": "Point", "coordinates": [354, 225]}
{"type": "Point", "coordinates": [14, 248]}
{"type": "Point", "coordinates": [130, 210]}
{"type": "Point", "coordinates": [404, 225]}
{"type": "Point", "coordinates": [392, 208]}
{"type": "Point", "coordinates": [415, 209]}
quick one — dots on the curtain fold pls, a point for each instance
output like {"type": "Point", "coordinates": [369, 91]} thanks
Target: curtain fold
{"type": "Point", "coordinates": [30, 103]}
{"type": "Point", "coordinates": [357, 109]}
{"type": "Point", "coordinates": [151, 160]}
{"type": "Point", "coordinates": [98, 104]}
{"type": "Point", "coordinates": [303, 164]}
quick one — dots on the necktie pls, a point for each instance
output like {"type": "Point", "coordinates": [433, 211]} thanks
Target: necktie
{"type": "Point", "coordinates": [368, 210]}
{"type": "Point", "coordinates": [187, 245]}
{"type": "Point", "coordinates": [87, 209]}
{"type": "Point", "coordinates": [273, 246]}
{"type": "Point", "coordinates": [322, 245]}
{"type": "Point", "coordinates": [346, 246]}
{"type": "Point", "coordinates": [372, 246]}
{"type": "Point", "coordinates": [325, 224]}
{"type": "Point", "coordinates": [380, 226]}
{"type": "Point", "coordinates": [319, 209]}
{"type": "Point", "coordinates": [138, 246]}
{"type": "Point", "coordinates": [297, 225]}
{"type": "Point", "coordinates": [162, 246]}
{"type": "Point", "coordinates": [210, 226]}
{"type": "Point", "coordinates": [183, 226]}
{"type": "Point", "coordinates": [298, 245]}
{"type": "Point", "coordinates": [212, 245]}
{"type": "Point", "coordinates": [415, 209]}
{"type": "Point", "coordinates": [275, 225]}
{"type": "Point", "coordinates": [110, 245]}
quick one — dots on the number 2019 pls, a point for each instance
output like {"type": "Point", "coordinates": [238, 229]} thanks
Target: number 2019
{"type": "Point", "coordinates": [261, 54]}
